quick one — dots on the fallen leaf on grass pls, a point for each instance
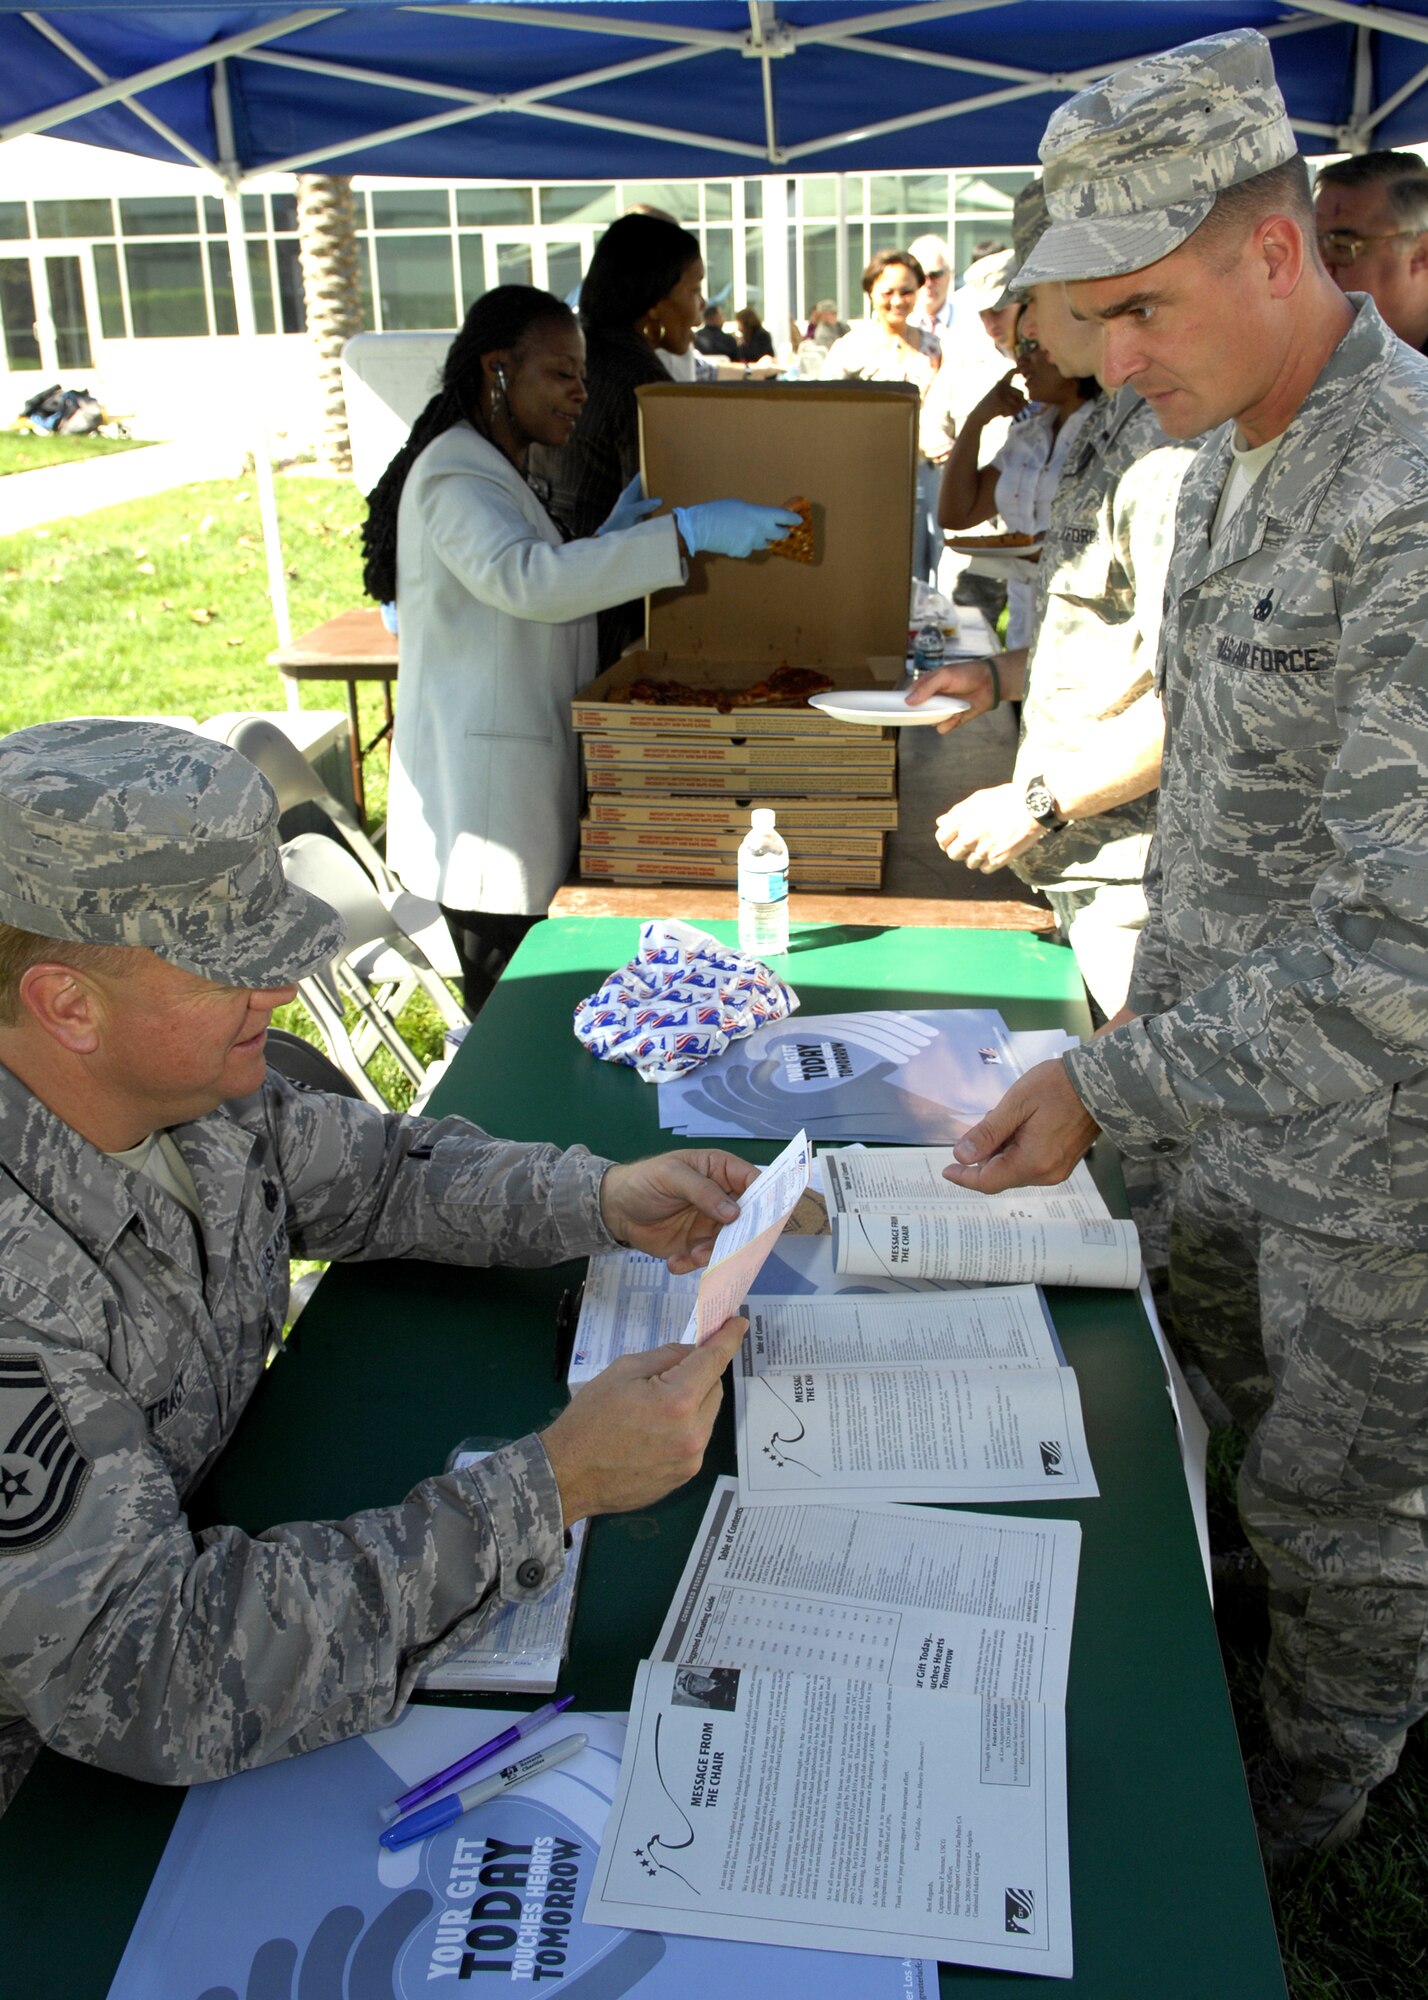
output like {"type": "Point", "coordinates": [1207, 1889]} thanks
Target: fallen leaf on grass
{"type": "Point", "coordinates": [232, 642]}
{"type": "Point", "coordinates": [146, 569]}
{"type": "Point", "coordinates": [202, 614]}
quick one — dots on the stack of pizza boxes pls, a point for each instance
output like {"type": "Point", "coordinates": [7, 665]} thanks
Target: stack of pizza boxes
{"type": "Point", "coordinates": [671, 782]}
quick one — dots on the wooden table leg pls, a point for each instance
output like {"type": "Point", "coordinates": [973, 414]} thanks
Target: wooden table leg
{"type": "Point", "coordinates": [359, 792]}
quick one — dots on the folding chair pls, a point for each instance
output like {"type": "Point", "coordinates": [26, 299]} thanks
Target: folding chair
{"type": "Point", "coordinates": [378, 970]}
{"type": "Point", "coordinates": [297, 783]}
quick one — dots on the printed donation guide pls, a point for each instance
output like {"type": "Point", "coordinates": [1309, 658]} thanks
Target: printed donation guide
{"type": "Point", "coordinates": [853, 1737]}
{"type": "Point", "coordinates": [894, 1215]}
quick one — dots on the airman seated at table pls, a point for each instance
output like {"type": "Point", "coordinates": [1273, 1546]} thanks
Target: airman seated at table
{"type": "Point", "coordinates": [155, 1178]}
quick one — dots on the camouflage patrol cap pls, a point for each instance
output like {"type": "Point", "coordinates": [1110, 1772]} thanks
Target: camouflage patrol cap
{"type": "Point", "coordinates": [117, 832]}
{"type": "Point", "coordinates": [985, 282]}
{"type": "Point", "coordinates": [1134, 163]}
{"type": "Point", "coordinates": [1030, 221]}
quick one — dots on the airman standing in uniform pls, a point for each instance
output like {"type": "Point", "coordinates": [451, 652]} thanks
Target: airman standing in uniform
{"type": "Point", "coordinates": [1278, 1015]}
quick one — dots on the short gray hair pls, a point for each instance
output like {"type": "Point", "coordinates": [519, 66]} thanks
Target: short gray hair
{"type": "Point", "coordinates": [1402, 176]}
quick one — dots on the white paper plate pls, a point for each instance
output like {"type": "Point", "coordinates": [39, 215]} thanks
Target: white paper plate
{"type": "Point", "coordinates": [886, 707]}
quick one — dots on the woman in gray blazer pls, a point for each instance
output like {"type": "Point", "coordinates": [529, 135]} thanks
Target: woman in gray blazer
{"type": "Point", "coordinates": [496, 612]}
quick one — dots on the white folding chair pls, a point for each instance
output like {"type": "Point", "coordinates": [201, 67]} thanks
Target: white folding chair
{"type": "Point", "coordinates": [377, 972]}
{"type": "Point", "coordinates": [297, 783]}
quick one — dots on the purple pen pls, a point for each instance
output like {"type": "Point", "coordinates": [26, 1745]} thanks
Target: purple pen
{"type": "Point", "coordinates": [439, 1782]}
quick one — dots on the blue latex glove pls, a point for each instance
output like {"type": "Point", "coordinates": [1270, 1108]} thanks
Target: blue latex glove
{"type": "Point", "coordinates": [629, 510]}
{"type": "Point", "coordinates": [732, 527]}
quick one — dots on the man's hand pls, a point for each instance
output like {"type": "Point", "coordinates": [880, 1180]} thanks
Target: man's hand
{"type": "Point", "coordinates": [640, 1428]}
{"type": "Point", "coordinates": [1033, 1138]}
{"type": "Point", "coordinates": [968, 678]}
{"type": "Point", "coordinates": [674, 1204]}
{"type": "Point", "coordinates": [986, 829]}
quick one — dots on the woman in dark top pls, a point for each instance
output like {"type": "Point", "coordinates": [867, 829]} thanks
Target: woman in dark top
{"type": "Point", "coordinates": [755, 342]}
{"type": "Point", "coordinates": [644, 290]}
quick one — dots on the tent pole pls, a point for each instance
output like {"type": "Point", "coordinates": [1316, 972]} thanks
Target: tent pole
{"type": "Point", "coordinates": [250, 372]}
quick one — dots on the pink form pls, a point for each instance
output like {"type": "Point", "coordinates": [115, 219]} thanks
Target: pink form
{"type": "Point", "coordinates": [741, 1247]}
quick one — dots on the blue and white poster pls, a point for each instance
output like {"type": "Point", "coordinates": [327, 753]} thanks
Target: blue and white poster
{"type": "Point", "coordinates": [273, 1887]}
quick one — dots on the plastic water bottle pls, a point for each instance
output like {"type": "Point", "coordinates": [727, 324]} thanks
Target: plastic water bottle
{"type": "Point", "coordinates": [928, 648]}
{"type": "Point", "coordinates": [763, 888]}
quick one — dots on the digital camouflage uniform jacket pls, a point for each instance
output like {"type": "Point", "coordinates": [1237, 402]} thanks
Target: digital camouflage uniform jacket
{"type": "Point", "coordinates": [1098, 594]}
{"type": "Point", "coordinates": [1283, 972]}
{"type": "Point", "coordinates": [125, 1364]}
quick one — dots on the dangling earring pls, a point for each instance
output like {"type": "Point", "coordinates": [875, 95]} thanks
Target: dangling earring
{"type": "Point", "coordinates": [498, 394]}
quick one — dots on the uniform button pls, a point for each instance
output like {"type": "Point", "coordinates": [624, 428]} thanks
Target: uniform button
{"type": "Point", "coordinates": [530, 1573]}
{"type": "Point", "coordinates": [1164, 1146]}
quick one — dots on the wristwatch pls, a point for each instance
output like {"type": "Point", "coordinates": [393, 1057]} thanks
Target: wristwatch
{"type": "Point", "coordinates": [1041, 804]}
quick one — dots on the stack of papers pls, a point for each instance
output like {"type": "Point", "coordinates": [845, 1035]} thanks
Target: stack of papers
{"type": "Point", "coordinates": [915, 1078]}
{"type": "Point", "coordinates": [785, 1779]}
{"type": "Point", "coordinates": [893, 1214]}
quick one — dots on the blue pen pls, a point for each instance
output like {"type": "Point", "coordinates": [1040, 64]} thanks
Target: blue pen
{"type": "Point", "coordinates": [441, 1812]}
{"type": "Point", "coordinates": [430, 1786]}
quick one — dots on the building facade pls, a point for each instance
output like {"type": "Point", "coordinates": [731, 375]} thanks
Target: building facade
{"type": "Point", "coordinates": [115, 271]}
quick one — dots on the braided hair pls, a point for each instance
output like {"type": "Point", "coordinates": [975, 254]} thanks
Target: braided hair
{"type": "Point", "coordinates": [499, 319]}
{"type": "Point", "coordinates": [637, 262]}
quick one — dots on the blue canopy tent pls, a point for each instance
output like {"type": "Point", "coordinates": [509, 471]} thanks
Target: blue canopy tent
{"type": "Point", "coordinates": [655, 88]}
{"type": "Point", "coordinates": [658, 89]}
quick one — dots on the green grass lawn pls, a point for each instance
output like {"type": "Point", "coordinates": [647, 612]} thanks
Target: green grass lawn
{"type": "Point", "coordinates": [28, 451]}
{"type": "Point", "coordinates": [160, 608]}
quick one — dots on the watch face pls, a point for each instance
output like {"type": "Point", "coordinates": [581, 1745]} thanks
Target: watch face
{"type": "Point", "coordinates": [1041, 804]}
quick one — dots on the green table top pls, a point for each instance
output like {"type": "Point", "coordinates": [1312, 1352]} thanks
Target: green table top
{"type": "Point", "coordinates": [393, 1363]}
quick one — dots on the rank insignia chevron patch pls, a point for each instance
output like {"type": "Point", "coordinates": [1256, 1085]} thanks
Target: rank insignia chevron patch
{"type": "Point", "coordinates": [42, 1469]}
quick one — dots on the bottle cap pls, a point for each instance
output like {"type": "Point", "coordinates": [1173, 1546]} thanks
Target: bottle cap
{"type": "Point", "coordinates": [763, 821]}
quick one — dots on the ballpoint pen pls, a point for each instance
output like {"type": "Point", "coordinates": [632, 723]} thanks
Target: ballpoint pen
{"type": "Point", "coordinates": [441, 1812]}
{"type": "Point", "coordinates": [480, 1755]}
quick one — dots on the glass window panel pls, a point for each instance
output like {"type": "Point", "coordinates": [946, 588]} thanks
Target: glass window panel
{"type": "Point", "coordinates": [513, 264]}
{"type": "Point", "coordinates": [364, 276]}
{"type": "Point", "coordinates": [753, 198]}
{"type": "Point", "coordinates": [992, 194]}
{"type": "Point", "coordinates": [971, 239]}
{"type": "Point", "coordinates": [886, 236]}
{"type": "Point", "coordinates": [288, 259]}
{"type": "Point", "coordinates": [416, 208]}
{"type": "Point", "coordinates": [213, 215]}
{"type": "Point", "coordinates": [415, 281]}
{"type": "Point", "coordinates": [754, 268]}
{"type": "Point", "coordinates": [718, 201]}
{"type": "Point", "coordinates": [909, 194]}
{"type": "Point", "coordinates": [260, 277]}
{"type": "Point", "coordinates": [820, 264]}
{"type": "Point", "coordinates": [74, 218]}
{"type": "Point", "coordinates": [677, 198]}
{"type": "Point", "coordinates": [487, 205]}
{"type": "Point", "coordinates": [719, 267]}
{"type": "Point", "coordinates": [473, 270]}
{"type": "Point", "coordinates": [17, 314]}
{"type": "Point", "coordinates": [166, 289]}
{"type": "Point", "coordinates": [220, 273]}
{"type": "Point", "coordinates": [578, 204]}
{"type": "Point", "coordinates": [820, 196]}
{"type": "Point", "coordinates": [284, 214]}
{"type": "Point", "coordinates": [67, 314]}
{"type": "Point", "coordinates": [159, 215]}
{"type": "Point", "coordinates": [254, 220]}
{"type": "Point", "coordinates": [13, 219]}
{"type": "Point", "coordinates": [563, 268]}
{"type": "Point", "coordinates": [111, 297]}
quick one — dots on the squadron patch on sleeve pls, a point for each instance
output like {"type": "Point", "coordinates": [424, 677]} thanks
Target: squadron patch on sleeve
{"type": "Point", "coordinates": [42, 1469]}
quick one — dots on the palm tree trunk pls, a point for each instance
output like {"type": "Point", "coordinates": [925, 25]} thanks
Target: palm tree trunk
{"type": "Point", "coordinates": [327, 242]}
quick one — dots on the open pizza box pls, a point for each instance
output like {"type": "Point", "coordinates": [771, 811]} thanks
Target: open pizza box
{"type": "Point", "coordinates": [850, 449]}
